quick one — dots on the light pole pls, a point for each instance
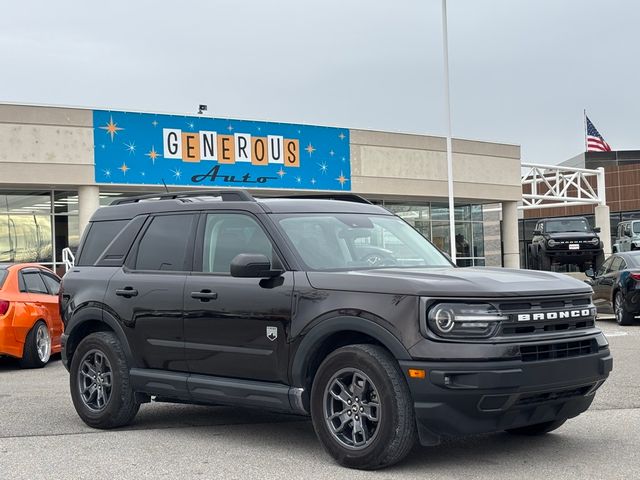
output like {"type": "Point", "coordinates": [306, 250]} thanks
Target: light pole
{"type": "Point", "coordinates": [445, 52]}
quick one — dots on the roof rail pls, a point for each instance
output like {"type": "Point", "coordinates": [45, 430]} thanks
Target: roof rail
{"type": "Point", "coordinates": [345, 197]}
{"type": "Point", "coordinates": [230, 195]}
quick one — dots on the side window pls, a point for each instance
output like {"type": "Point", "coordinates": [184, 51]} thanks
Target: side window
{"type": "Point", "coordinates": [164, 245]}
{"type": "Point", "coordinates": [100, 235]}
{"type": "Point", "coordinates": [53, 284]}
{"type": "Point", "coordinates": [615, 265]}
{"type": "Point", "coordinates": [604, 267]}
{"type": "Point", "coordinates": [623, 264]}
{"type": "Point", "coordinates": [33, 282]}
{"type": "Point", "coordinates": [627, 229]}
{"type": "Point", "coordinates": [229, 234]}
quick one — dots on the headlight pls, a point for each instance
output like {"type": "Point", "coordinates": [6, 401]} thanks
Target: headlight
{"type": "Point", "coordinates": [595, 241]}
{"type": "Point", "coordinates": [461, 320]}
{"type": "Point", "coordinates": [552, 243]}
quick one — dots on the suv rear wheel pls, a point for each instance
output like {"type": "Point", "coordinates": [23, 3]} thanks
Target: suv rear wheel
{"type": "Point", "coordinates": [100, 385]}
{"type": "Point", "coordinates": [361, 408]}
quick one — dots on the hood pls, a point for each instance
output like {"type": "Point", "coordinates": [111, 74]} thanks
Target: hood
{"type": "Point", "coordinates": [450, 282]}
{"type": "Point", "coordinates": [570, 235]}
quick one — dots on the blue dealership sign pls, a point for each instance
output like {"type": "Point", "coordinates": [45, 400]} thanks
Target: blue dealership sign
{"type": "Point", "coordinates": [149, 149]}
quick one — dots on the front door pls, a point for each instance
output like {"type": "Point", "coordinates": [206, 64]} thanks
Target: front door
{"type": "Point", "coordinates": [235, 325]}
{"type": "Point", "coordinates": [147, 293]}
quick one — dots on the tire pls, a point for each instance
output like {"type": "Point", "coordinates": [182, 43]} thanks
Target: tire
{"type": "Point", "coordinates": [101, 354]}
{"type": "Point", "coordinates": [544, 262]}
{"type": "Point", "coordinates": [37, 347]}
{"type": "Point", "coordinates": [538, 428]}
{"type": "Point", "coordinates": [623, 317]}
{"type": "Point", "coordinates": [381, 442]}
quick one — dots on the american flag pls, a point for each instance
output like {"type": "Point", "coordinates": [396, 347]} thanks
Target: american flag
{"type": "Point", "coordinates": [595, 142]}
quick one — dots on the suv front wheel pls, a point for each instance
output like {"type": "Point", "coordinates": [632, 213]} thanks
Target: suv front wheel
{"type": "Point", "coordinates": [362, 409]}
{"type": "Point", "coordinates": [100, 385]}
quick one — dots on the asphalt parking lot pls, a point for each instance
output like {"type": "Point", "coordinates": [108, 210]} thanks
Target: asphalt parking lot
{"type": "Point", "coordinates": [42, 438]}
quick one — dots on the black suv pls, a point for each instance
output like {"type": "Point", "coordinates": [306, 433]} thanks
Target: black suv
{"type": "Point", "coordinates": [331, 308]}
{"type": "Point", "coordinates": [567, 241]}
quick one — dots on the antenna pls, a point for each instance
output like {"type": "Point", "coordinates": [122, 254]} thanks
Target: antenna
{"type": "Point", "coordinates": [165, 186]}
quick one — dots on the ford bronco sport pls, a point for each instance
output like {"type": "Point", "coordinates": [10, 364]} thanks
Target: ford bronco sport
{"type": "Point", "coordinates": [332, 308]}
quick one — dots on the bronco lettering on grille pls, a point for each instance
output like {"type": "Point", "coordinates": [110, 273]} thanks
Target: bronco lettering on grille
{"type": "Point", "coordinates": [525, 317]}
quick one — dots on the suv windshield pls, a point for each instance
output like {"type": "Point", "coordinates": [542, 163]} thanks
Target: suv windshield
{"type": "Point", "coordinates": [636, 227]}
{"type": "Point", "coordinates": [355, 241]}
{"type": "Point", "coordinates": [570, 225]}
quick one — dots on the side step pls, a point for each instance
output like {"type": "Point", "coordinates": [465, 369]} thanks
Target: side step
{"type": "Point", "coordinates": [187, 387]}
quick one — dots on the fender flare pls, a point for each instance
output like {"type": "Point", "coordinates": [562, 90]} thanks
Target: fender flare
{"type": "Point", "coordinates": [95, 313]}
{"type": "Point", "coordinates": [317, 334]}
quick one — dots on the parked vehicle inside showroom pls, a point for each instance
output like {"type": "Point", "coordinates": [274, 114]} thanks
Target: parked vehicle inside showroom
{"type": "Point", "coordinates": [616, 286]}
{"type": "Point", "coordinates": [332, 308]}
{"type": "Point", "coordinates": [565, 241]}
{"type": "Point", "coordinates": [30, 323]}
{"type": "Point", "coordinates": [627, 236]}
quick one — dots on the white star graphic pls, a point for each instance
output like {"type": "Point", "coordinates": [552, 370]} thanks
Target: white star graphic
{"type": "Point", "coordinates": [313, 181]}
{"type": "Point", "coordinates": [298, 179]}
{"type": "Point", "coordinates": [154, 123]}
{"type": "Point", "coordinates": [103, 146]}
{"type": "Point", "coordinates": [142, 173]}
{"type": "Point", "coordinates": [190, 125]}
{"type": "Point", "coordinates": [176, 173]}
{"type": "Point", "coordinates": [332, 153]}
{"type": "Point", "coordinates": [131, 147]}
{"type": "Point", "coordinates": [342, 136]}
{"type": "Point", "coordinates": [107, 173]}
{"type": "Point", "coordinates": [230, 128]}
{"type": "Point", "coordinates": [323, 167]}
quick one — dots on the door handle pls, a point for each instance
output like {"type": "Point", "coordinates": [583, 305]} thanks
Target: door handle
{"type": "Point", "coordinates": [127, 292]}
{"type": "Point", "coordinates": [204, 295]}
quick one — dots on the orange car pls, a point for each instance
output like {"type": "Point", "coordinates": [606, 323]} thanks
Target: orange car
{"type": "Point", "coordinates": [30, 324]}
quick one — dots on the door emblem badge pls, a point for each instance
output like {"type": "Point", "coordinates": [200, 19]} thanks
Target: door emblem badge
{"type": "Point", "coordinates": [272, 333]}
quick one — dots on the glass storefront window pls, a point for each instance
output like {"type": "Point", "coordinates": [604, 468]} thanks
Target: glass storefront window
{"type": "Point", "coordinates": [26, 238]}
{"type": "Point", "coordinates": [65, 202]}
{"type": "Point", "coordinates": [25, 202]}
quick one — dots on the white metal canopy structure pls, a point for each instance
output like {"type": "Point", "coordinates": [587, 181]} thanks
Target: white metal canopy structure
{"type": "Point", "coordinates": [558, 186]}
{"type": "Point", "coordinates": [548, 186]}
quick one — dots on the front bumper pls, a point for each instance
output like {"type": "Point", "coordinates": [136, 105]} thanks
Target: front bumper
{"type": "Point", "coordinates": [572, 255]}
{"type": "Point", "coordinates": [462, 398]}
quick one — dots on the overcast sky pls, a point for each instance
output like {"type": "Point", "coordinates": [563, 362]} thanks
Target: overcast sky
{"type": "Point", "coordinates": [522, 71]}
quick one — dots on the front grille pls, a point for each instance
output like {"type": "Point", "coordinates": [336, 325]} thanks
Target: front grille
{"type": "Point", "coordinates": [551, 351]}
{"type": "Point", "coordinates": [512, 309]}
{"type": "Point", "coordinates": [553, 395]}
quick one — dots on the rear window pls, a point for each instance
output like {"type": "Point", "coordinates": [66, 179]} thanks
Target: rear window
{"type": "Point", "coordinates": [99, 236]}
{"type": "Point", "coordinates": [3, 276]}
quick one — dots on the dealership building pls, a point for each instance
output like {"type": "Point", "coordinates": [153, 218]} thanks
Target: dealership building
{"type": "Point", "coordinates": [58, 165]}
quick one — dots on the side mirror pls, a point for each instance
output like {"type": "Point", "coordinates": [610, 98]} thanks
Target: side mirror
{"type": "Point", "coordinates": [537, 232]}
{"type": "Point", "coordinates": [252, 265]}
{"type": "Point", "coordinates": [597, 230]}
{"type": "Point", "coordinates": [590, 273]}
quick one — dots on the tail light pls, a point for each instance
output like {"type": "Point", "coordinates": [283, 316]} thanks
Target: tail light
{"type": "Point", "coordinates": [4, 306]}
{"type": "Point", "coordinates": [635, 276]}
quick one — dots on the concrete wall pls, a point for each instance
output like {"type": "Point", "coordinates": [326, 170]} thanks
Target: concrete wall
{"type": "Point", "coordinates": [45, 145]}
{"type": "Point", "coordinates": [401, 165]}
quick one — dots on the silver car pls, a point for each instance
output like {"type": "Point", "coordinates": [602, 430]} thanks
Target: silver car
{"type": "Point", "coordinates": [628, 236]}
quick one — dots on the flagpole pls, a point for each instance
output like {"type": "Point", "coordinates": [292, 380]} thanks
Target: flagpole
{"type": "Point", "coordinates": [584, 119]}
{"type": "Point", "coordinates": [445, 54]}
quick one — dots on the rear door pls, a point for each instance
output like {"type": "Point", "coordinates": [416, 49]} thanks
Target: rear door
{"type": "Point", "coordinates": [40, 299]}
{"type": "Point", "coordinates": [53, 286]}
{"type": "Point", "coordinates": [146, 293]}
{"type": "Point", "coordinates": [236, 327]}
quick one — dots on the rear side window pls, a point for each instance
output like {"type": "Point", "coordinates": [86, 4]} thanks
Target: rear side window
{"type": "Point", "coordinates": [53, 284]}
{"type": "Point", "coordinates": [164, 245]}
{"type": "Point", "coordinates": [3, 276]}
{"type": "Point", "coordinates": [34, 283]}
{"type": "Point", "coordinates": [99, 236]}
